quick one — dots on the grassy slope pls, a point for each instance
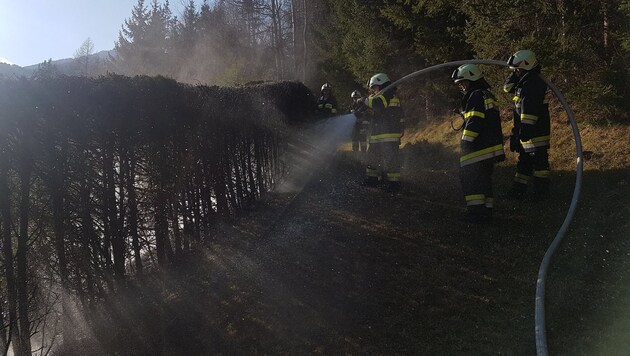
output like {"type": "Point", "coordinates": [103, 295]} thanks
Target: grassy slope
{"type": "Point", "coordinates": [587, 289]}
{"type": "Point", "coordinates": [344, 269]}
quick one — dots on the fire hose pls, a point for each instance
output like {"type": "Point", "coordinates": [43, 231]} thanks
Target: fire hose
{"type": "Point", "coordinates": [540, 328]}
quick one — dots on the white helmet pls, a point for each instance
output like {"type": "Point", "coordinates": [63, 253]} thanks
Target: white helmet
{"type": "Point", "coordinates": [355, 94]}
{"type": "Point", "coordinates": [466, 72]}
{"type": "Point", "coordinates": [523, 59]}
{"type": "Point", "coordinates": [378, 79]}
{"type": "Point", "coordinates": [326, 86]}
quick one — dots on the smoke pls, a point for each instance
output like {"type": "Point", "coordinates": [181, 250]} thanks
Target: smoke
{"type": "Point", "coordinates": [312, 148]}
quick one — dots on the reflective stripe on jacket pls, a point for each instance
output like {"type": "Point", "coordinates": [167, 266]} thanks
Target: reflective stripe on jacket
{"type": "Point", "coordinates": [387, 119]}
{"type": "Point", "coordinates": [482, 137]}
{"type": "Point", "coordinates": [531, 112]}
{"type": "Point", "coordinates": [327, 104]}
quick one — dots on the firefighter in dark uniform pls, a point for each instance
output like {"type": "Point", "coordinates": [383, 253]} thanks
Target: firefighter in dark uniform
{"type": "Point", "coordinates": [386, 131]}
{"type": "Point", "coordinates": [532, 127]}
{"type": "Point", "coordinates": [481, 142]}
{"type": "Point", "coordinates": [361, 124]}
{"type": "Point", "coordinates": [327, 104]}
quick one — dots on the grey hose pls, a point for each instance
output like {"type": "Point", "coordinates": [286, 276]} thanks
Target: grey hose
{"type": "Point", "coordinates": [541, 336]}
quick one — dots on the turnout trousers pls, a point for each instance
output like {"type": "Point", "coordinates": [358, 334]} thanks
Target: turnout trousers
{"type": "Point", "coordinates": [383, 162]}
{"type": "Point", "coordinates": [476, 180]}
{"type": "Point", "coordinates": [532, 166]}
{"type": "Point", "coordinates": [359, 141]}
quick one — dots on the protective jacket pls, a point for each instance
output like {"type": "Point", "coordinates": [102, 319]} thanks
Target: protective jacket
{"type": "Point", "coordinates": [481, 145]}
{"type": "Point", "coordinates": [387, 123]}
{"type": "Point", "coordinates": [531, 112]}
{"type": "Point", "coordinates": [327, 105]}
{"type": "Point", "coordinates": [385, 133]}
{"type": "Point", "coordinates": [361, 124]}
{"type": "Point", "coordinates": [482, 138]}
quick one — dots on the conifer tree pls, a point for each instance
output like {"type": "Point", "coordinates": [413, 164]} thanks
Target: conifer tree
{"type": "Point", "coordinates": [46, 70]}
{"type": "Point", "coordinates": [132, 41]}
{"type": "Point", "coordinates": [161, 26]}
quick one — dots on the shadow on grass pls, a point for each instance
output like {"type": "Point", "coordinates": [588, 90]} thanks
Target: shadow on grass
{"type": "Point", "coordinates": [345, 269]}
{"type": "Point", "coordinates": [588, 293]}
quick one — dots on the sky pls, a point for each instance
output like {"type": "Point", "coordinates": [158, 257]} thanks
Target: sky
{"type": "Point", "coordinates": [32, 31]}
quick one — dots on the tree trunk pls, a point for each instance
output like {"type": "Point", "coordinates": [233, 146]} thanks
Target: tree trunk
{"type": "Point", "coordinates": [220, 188]}
{"type": "Point", "coordinates": [7, 251]}
{"type": "Point", "coordinates": [109, 209]}
{"type": "Point", "coordinates": [260, 163]}
{"type": "Point", "coordinates": [207, 212]}
{"type": "Point", "coordinates": [305, 51]}
{"type": "Point", "coordinates": [90, 244]}
{"type": "Point", "coordinates": [118, 221]}
{"type": "Point", "coordinates": [161, 228]}
{"type": "Point", "coordinates": [196, 212]}
{"type": "Point", "coordinates": [174, 215]}
{"type": "Point", "coordinates": [189, 203]}
{"type": "Point", "coordinates": [234, 177]}
{"type": "Point", "coordinates": [255, 192]}
{"type": "Point", "coordinates": [133, 213]}
{"type": "Point", "coordinates": [58, 193]}
{"type": "Point", "coordinates": [4, 341]}
{"type": "Point", "coordinates": [294, 37]}
{"type": "Point", "coordinates": [276, 36]}
{"type": "Point", "coordinates": [24, 323]}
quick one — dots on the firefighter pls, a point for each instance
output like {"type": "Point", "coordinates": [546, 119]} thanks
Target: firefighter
{"type": "Point", "coordinates": [327, 104]}
{"type": "Point", "coordinates": [481, 142]}
{"type": "Point", "coordinates": [532, 127]}
{"type": "Point", "coordinates": [386, 132]}
{"type": "Point", "coordinates": [361, 124]}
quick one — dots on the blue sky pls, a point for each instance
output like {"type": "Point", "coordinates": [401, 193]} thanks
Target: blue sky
{"type": "Point", "coordinates": [32, 31]}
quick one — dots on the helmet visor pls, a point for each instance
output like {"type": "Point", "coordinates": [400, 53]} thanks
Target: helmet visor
{"type": "Point", "coordinates": [456, 77]}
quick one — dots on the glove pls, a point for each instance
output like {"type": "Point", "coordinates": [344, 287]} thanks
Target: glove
{"type": "Point", "coordinates": [514, 143]}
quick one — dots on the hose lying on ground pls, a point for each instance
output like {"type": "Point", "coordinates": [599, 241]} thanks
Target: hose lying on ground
{"type": "Point", "coordinates": [541, 337]}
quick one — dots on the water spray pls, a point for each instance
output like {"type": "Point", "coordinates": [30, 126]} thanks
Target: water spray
{"type": "Point", "coordinates": [312, 148]}
{"type": "Point", "coordinates": [540, 329]}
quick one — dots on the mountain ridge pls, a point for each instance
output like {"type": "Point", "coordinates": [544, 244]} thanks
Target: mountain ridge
{"type": "Point", "coordinates": [67, 66]}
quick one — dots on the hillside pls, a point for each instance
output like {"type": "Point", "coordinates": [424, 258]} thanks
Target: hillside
{"type": "Point", "coordinates": [66, 66]}
{"type": "Point", "coordinates": [337, 268]}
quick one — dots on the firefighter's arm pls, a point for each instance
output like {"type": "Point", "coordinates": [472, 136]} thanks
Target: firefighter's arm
{"type": "Point", "coordinates": [359, 105]}
{"type": "Point", "coordinates": [474, 115]}
{"type": "Point", "coordinates": [510, 82]}
{"type": "Point", "coordinates": [355, 107]}
{"type": "Point", "coordinates": [333, 102]}
{"type": "Point", "coordinates": [531, 105]}
{"type": "Point", "coordinates": [376, 103]}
